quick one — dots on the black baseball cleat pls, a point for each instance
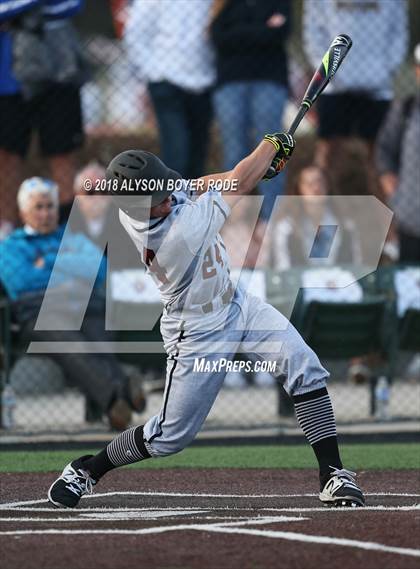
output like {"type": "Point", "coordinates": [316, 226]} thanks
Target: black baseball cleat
{"type": "Point", "coordinates": [341, 490]}
{"type": "Point", "coordinates": [73, 483]}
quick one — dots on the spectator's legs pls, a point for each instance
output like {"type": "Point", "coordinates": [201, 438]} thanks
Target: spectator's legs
{"type": "Point", "coordinates": [93, 329]}
{"type": "Point", "coordinates": [15, 136]}
{"type": "Point", "coordinates": [93, 374]}
{"type": "Point", "coordinates": [58, 117]}
{"type": "Point", "coordinates": [169, 105]}
{"type": "Point", "coordinates": [10, 179]}
{"type": "Point", "coordinates": [268, 100]}
{"type": "Point", "coordinates": [409, 247]}
{"type": "Point", "coordinates": [232, 112]}
{"type": "Point", "coordinates": [348, 125]}
{"type": "Point", "coordinates": [63, 171]}
{"type": "Point", "coordinates": [199, 115]}
{"type": "Point", "coordinates": [98, 376]}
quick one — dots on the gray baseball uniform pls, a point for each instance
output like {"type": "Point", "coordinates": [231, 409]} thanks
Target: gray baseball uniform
{"type": "Point", "coordinates": [205, 317]}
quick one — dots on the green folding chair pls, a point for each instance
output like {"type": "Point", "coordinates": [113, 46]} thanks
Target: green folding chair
{"type": "Point", "coordinates": [342, 330]}
{"type": "Point", "coordinates": [409, 331]}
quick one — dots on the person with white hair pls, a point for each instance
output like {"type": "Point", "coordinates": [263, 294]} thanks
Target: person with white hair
{"type": "Point", "coordinates": [27, 258]}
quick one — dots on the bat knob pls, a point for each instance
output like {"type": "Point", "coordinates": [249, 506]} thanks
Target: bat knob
{"type": "Point", "coordinates": [271, 173]}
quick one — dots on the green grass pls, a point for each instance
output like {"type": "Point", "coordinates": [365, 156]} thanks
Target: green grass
{"type": "Point", "coordinates": [357, 456]}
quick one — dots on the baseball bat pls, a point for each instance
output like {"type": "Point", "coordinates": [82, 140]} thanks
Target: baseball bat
{"type": "Point", "coordinates": [331, 61]}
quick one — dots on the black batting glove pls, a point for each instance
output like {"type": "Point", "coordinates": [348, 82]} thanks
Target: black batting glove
{"type": "Point", "coordinates": [284, 143]}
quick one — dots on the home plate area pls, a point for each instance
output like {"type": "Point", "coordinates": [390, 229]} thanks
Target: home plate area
{"type": "Point", "coordinates": [197, 530]}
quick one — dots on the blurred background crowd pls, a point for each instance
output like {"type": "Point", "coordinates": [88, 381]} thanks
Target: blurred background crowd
{"type": "Point", "coordinates": [199, 82]}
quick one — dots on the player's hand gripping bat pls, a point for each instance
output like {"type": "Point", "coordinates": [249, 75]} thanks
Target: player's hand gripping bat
{"type": "Point", "coordinates": [331, 61]}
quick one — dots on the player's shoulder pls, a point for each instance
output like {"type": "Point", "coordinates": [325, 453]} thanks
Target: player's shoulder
{"type": "Point", "coordinates": [208, 202]}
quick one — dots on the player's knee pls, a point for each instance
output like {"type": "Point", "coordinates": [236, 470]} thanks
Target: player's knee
{"type": "Point", "coordinates": [304, 371]}
{"type": "Point", "coordinates": [307, 385]}
{"type": "Point", "coordinates": [166, 447]}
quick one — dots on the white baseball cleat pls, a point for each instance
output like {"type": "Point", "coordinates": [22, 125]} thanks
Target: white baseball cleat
{"type": "Point", "coordinates": [73, 483]}
{"type": "Point", "coordinates": [341, 490]}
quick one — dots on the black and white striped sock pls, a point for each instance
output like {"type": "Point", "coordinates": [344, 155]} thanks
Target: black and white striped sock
{"type": "Point", "coordinates": [126, 448]}
{"type": "Point", "coordinates": [315, 415]}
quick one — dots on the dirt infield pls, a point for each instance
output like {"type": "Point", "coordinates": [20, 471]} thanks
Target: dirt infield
{"type": "Point", "coordinates": [211, 519]}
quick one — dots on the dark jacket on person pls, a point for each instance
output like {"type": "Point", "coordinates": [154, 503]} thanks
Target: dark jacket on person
{"type": "Point", "coordinates": [397, 151]}
{"type": "Point", "coordinates": [246, 48]}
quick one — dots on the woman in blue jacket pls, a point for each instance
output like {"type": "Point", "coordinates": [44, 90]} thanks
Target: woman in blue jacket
{"type": "Point", "coordinates": [48, 273]}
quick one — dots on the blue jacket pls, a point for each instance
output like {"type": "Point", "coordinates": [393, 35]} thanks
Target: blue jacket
{"type": "Point", "coordinates": [9, 9]}
{"type": "Point", "coordinates": [79, 259]}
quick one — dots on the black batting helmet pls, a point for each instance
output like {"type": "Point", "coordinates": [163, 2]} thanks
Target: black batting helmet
{"type": "Point", "coordinates": [134, 175]}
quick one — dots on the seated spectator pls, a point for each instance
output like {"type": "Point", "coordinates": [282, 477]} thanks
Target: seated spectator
{"type": "Point", "coordinates": [94, 215]}
{"type": "Point", "coordinates": [294, 234]}
{"type": "Point", "coordinates": [27, 258]}
{"type": "Point", "coordinates": [91, 211]}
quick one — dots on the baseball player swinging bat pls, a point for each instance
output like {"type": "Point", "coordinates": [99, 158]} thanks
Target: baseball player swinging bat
{"type": "Point", "coordinates": [177, 234]}
{"type": "Point", "coordinates": [331, 61]}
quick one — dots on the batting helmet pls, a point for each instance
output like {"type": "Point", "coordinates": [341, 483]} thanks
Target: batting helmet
{"type": "Point", "coordinates": [135, 175]}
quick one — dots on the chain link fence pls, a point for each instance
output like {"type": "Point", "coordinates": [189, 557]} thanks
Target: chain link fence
{"type": "Point", "coordinates": [199, 83]}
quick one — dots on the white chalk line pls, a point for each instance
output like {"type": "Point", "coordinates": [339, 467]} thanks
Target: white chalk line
{"type": "Point", "coordinates": [9, 505]}
{"type": "Point", "coordinates": [220, 527]}
{"type": "Point", "coordinates": [162, 529]}
{"type": "Point", "coordinates": [236, 520]}
{"type": "Point", "coordinates": [292, 536]}
{"type": "Point", "coordinates": [68, 511]}
{"type": "Point", "coordinates": [227, 528]}
{"type": "Point", "coordinates": [122, 516]}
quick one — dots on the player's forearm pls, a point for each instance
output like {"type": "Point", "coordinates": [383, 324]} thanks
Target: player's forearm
{"type": "Point", "coordinates": [265, 162]}
{"type": "Point", "coordinates": [246, 174]}
{"type": "Point", "coordinates": [252, 168]}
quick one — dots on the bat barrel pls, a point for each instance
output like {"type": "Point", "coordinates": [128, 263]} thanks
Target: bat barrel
{"type": "Point", "coordinates": [330, 63]}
